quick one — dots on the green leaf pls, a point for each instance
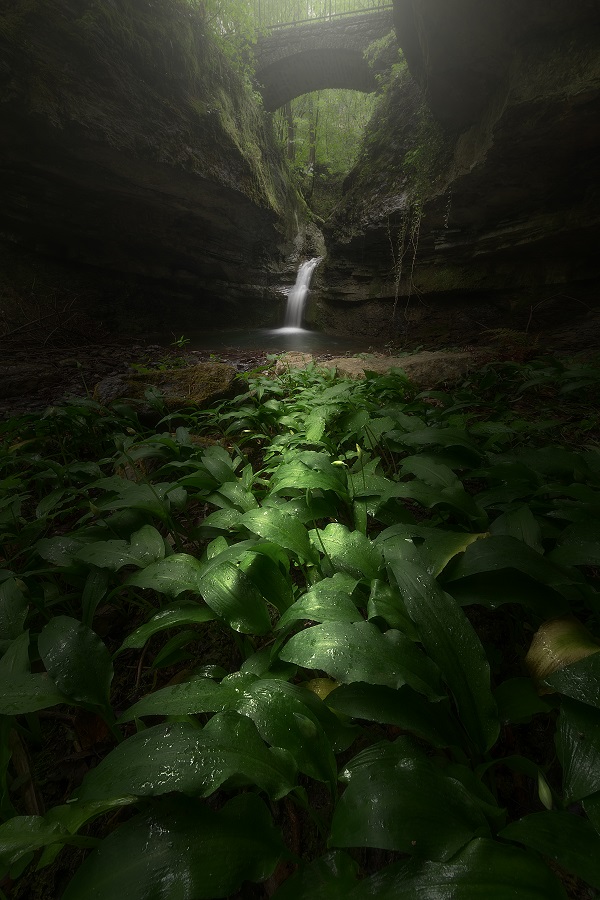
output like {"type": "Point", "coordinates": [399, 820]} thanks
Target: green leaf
{"type": "Point", "coordinates": [436, 545]}
{"type": "Point", "coordinates": [450, 641]}
{"type": "Point", "coordinates": [13, 610]}
{"type": "Point", "coordinates": [111, 555]}
{"type": "Point", "coordinates": [280, 712]}
{"type": "Point", "coordinates": [95, 588]}
{"type": "Point", "coordinates": [170, 617]}
{"type": "Point", "coordinates": [520, 523]}
{"type": "Point", "coordinates": [327, 878]}
{"type": "Point", "coordinates": [235, 598]}
{"type": "Point", "coordinates": [309, 470]}
{"type": "Point", "coordinates": [578, 748]}
{"type": "Point", "coordinates": [348, 551]}
{"type": "Point", "coordinates": [77, 660]}
{"type": "Point", "coordinates": [327, 601]}
{"type": "Point", "coordinates": [502, 551]}
{"type": "Point", "coordinates": [269, 575]}
{"type": "Point", "coordinates": [280, 528]}
{"type": "Point", "coordinates": [483, 869]}
{"type": "Point", "coordinates": [171, 576]}
{"type": "Point", "coordinates": [29, 693]}
{"type": "Point", "coordinates": [24, 834]}
{"type": "Point", "coordinates": [578, 545]}
{"type": "Point", "coordinates": [580, 680]}
{"type": "Point", "coordinates": [358, 651]}
{"type": "Point", "coordinates": [180, 757]}
{"type": "Point", "coordinates": [518, 701]}
{"type": "Point", "coordinates": [403, 708]}
{"type": "Point", "coordinates": [569, 840]}
{"type": "Point", "coordinates": [198, 695]}
{"type": "Point", "coordinates": [428, 469]}
{"type": "Point", "coordinates": [181, 849]}
{"type": "Point", "coordinates": [397, 799]}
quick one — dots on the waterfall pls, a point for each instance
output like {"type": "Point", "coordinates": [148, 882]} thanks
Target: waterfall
{"type": "Point", "coordinates": [296, 300]}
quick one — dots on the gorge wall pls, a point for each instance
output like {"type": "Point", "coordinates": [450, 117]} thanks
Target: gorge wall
{"type": "Point", "coordinates": [137, 172]}
{"type": "Point", "coordinates": [478, 185]}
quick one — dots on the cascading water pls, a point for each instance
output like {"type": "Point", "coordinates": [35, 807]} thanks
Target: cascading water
{"type": "Point", "coordinates": [296, 300]}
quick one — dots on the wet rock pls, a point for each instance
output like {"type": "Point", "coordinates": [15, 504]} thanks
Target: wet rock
{"type": "Point", "coordinates": [426, 370]}
{"type": "Point", "coordinates": [192, 386]}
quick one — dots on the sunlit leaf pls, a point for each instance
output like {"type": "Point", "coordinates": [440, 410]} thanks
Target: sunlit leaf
{"type": "Point", "coordinates": [181, 757]}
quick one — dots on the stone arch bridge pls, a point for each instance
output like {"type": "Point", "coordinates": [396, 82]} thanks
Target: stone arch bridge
{"type": "Point", "coordinates": [311, 56]}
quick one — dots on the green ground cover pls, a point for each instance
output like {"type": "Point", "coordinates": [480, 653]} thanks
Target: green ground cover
{"type": "Point", "coordinates": [327, 638]}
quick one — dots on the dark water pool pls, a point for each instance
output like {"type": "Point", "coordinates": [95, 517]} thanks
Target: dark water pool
{"type": "Point", "coordinates": [274, 340]}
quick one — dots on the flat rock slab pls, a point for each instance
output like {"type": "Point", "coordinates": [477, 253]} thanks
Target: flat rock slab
{"type": "Point", "coordinates": [427, 369]}
{"type": "Point", "coordinates": [190, 386]}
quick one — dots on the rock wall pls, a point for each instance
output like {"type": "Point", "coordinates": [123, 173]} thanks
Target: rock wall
{"type": "Point", "coordinates": [136, 170]}
{"type": "Point", "coordinates": [478, 179]}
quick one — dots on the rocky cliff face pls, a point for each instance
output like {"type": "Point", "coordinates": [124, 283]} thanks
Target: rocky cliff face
{"type": "Point", "coordinates": [479, 181]}
{"type": "Point", "coordinates": [135, 168]}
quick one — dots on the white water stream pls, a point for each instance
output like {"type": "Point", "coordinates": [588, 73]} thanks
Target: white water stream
{"type": "Point", "coordinates": [296, 300]}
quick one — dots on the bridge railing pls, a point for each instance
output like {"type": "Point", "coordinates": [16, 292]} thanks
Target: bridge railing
{"type": "Point", "coordinates": [285, 13]}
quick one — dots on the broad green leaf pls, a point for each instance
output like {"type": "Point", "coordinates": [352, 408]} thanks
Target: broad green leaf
{"type": "Point", "coordinates": [94, 590]}
{"type": "Point", "coordinates": [578, 748]}
{"type": "Point", "coordinates": [50, 502]}
{"type": "Point", "coordinates": [450, 641]}
{"type": "Point", "coordinates": [569, 840]}
{"type": "Point", "coordinates": [580, 680]}
{"type": "Point", "coordinates": [13, 610]}
{"type": "Point", "coordinates": [24, 834]}
{"type": "Point", "coordinates": [15, 660]}
{"type": "Point", "coordinates": [327, 878]}
{"type": "Point", "coordinates": [182, 849]}
{"type": "Point", "coordinates": [283, 719]}
{"type": "Point", "coordinates": [283, 714]}
{"type": "Point", "coordinates": [125, 494]}
{"type": "Point", "coordinates": [308, 470]}
{"type": "Point", "coordinates": [198, 695]}
{"type": "Point", "coordinates": [518, 701]}
{"type": "Point", "coordinates": [348, 551]}
{"type": "Point", "coordinates": [402, 707]}
{"type": "Point", "coordinates": [280, 528]}
{"type": "Point", "coordinates": [428, 469]}
{"type": "Point", "coordinates": [483, 870]}
{"type": "Point", "coordinates": [170, 617]}
{"type": "Point", "coordinates": [358, 651]}
{"type": "Point", "coordinates": [502, 551]}
{"type": "Point", "coordinates": [171, 576]}
{"type": "Point", "coordinates": [147, 544]}
{"type": "Point", "coordinates": [269, 576]}
{"type": "Point", "coordinates": [436, 545]}
{"type": "Point", "coordinates": [237, 496]}
{"type": "Point", "coordinates": [385, 602]}
{"type": "Point", "coordinates": [60, 551]}
{"type": "Point", "coordinates": [29, 693]}
{"type": "Point", "coordinates": [234, 597]}
{"type": "Point", "coordinates": [578, 545]}
{"type": "Point", "coordinates": [520, 523]}
{"type": "Point", "coordinates": [180, 757]}
{"type": "Point", "coordinates": [326, 601]}
{"type": "Point", "coordinates": [428, 496]}
{"type": "Point", "coordinates": [495, 588]}
{"type": "Point", "coordinates": [111, 555]}
{"type": "Point", "coordinates": [397, 799]}
{"type": "Point", "coordinates": [77, 660]}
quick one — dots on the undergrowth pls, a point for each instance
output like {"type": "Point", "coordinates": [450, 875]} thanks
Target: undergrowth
{"type": "Point", "coordinates": [332, 638]}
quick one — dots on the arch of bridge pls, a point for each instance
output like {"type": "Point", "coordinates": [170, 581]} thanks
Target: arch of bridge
{"type": "Point", "coordinates": [297, 59]}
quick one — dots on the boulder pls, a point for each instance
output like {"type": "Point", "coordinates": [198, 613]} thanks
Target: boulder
{"type": "Point", "coordinates": [192, 386]}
